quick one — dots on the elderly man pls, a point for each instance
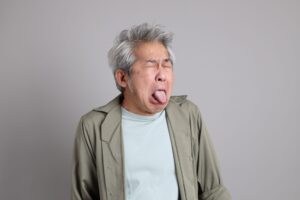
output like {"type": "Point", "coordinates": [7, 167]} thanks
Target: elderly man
{"type": "Point", "coordinates": [145, 144]}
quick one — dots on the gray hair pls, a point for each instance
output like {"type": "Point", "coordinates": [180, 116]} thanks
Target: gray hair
{"type": "Point", "coordinates": [121, 55]}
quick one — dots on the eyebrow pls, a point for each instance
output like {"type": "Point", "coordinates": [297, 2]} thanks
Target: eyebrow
{"type": "Point", "coordinates": [153, 59]}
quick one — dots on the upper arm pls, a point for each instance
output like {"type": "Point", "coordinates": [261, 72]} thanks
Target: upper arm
{"type": "Point", "coordinates": [84, 173]}
{"type": "Point", "coordinates": [210, 184]}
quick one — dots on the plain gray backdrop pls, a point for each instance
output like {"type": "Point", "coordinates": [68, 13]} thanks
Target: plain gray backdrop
{"type": "Point", "coordinates": [237, 60]}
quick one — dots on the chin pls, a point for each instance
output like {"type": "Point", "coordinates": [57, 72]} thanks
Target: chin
{"type": "Point", "coordinates": [159, 108]}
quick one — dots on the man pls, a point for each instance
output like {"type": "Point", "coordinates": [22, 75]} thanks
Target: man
{"type": "Point", "coordinates": [144, 144]}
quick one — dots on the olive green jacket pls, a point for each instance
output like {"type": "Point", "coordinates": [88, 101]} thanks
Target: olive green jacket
{"type": "Point", "coordinates": [98, 166]}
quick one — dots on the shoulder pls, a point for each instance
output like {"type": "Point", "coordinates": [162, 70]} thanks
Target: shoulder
{"type": "Point", "coordinates": [184, 115]}
{"type": "Point", "coordinates": [183, 103]}
{"type": "Point", "coordinates": [184, 109]}
{"type": "Point", "coordinates": [97, 115]}
{"type": "Point", "coordinates": [92, 118]}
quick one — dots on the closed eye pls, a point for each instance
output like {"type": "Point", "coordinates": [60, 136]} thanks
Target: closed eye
{"type": "Point", "coordinates": [167, 63]}
{"type": "Point", "coordinates": [151, 63]}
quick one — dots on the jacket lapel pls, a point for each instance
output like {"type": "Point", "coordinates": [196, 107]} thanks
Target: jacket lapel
{"type": "Point", "coordinates": [112, 149]}
{"type": "Point", "coordinates": [178, 122]}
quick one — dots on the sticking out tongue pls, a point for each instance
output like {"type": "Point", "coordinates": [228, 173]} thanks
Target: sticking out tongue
{"type": "Point", "coordinates": [160, 96]}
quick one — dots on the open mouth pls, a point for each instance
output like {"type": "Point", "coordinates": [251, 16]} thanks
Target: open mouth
{"type": "Point", "coordinates": [160, 96]}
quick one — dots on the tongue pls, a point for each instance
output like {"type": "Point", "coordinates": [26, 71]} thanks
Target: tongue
{"type": "Point", "coordinates": [160, 96]}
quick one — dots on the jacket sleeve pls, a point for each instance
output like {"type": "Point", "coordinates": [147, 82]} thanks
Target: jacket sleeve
{"type": "Point", "coordinates": [210, 185]}
{"type": "Point", "coordinates": [84, 184]}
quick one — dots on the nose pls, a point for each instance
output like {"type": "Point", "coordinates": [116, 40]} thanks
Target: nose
{"type": "Point", "coordinates": [160, 76]}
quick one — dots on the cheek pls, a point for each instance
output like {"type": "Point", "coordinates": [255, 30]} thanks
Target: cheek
{"type": "Point", "coordinates": [146, 79]}
{"type": "Point", "coordinates": [143, 82]}
{"type": "Point", "coordinates": [141, 86]}
{"type": "Point", "coordinates": [170, 78]}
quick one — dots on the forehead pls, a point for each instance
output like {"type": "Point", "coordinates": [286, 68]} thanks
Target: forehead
{"type": "Point", "coordinates": [154, 50]}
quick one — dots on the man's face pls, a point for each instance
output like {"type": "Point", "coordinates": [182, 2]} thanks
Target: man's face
{"type": "Point", "coordinates": [149, 85]}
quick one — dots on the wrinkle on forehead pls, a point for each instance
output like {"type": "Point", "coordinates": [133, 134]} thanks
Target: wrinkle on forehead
{"type": "Point", "coordinates": [151, 53]}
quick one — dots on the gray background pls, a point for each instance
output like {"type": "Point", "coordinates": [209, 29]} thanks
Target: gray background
{"type": "Point", "coordinates": [237, 60]}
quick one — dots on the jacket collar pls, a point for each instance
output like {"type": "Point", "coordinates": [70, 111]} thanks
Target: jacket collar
{"type": "Point", "coordinates": [113, 117]}
{"type": "Point", "coordinates": [116, 102]}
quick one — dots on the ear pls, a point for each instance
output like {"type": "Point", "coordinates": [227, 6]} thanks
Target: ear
{"type": "Point", "coordinates": [121, 78]}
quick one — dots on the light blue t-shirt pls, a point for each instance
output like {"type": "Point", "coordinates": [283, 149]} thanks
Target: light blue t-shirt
{"type": "Point", "coordinates": [149, 162]}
